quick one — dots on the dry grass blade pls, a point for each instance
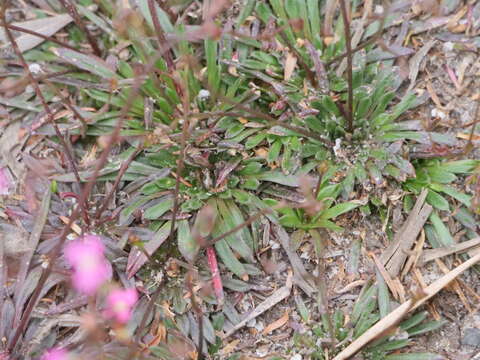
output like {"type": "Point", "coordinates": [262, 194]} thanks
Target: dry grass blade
{"type": "Point", "coordinates": [386, 276]}
{"type": "Point", "coordinates": [37, 31]}
{"type": "Point", "coordinates": [396, 315]}
{"type": "Point", "coordinates": [455, 285]}
{"type": "Point", "coordinates": [432, 254]}
{"type": "Point", "coordinates": [40, 220]}
{"type": "Point", "coordinates": [415, 255]}
{"type": "Point", "coordinates": [300, 274]}
{"type": "Point", "coordinates": [268, 303]}
{"type": "Point", "coordinates": [396, 254]}
{"type": "Point", "coordinates": [416, 61]}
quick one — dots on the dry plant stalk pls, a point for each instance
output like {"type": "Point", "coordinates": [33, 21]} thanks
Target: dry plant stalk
{"type": "Point", "coordinates": [396, 253]}
{"type": "Point", "coordinates": [399, 313]}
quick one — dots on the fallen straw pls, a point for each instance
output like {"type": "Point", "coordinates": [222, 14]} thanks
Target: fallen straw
{"type": "Point", "coordinates": [396, 315]}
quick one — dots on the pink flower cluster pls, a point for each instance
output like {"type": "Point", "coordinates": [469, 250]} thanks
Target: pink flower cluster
{"type": "Point", "coordinates": [55, 354]}
{"type": "Point", "coordinates": [120, 303]}
{"type": "Point", "coordinates": [90, 268]}
{"type": "Point", "coordinates": [86, 256]}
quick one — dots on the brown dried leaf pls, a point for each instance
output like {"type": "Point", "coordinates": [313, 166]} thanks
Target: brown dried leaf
{"type": "Point", "coordinates": [277, 324]}
{"type": "Point", "coordinates": [290, 64]}
{"type": "Point", "coordinates": [230, 347]}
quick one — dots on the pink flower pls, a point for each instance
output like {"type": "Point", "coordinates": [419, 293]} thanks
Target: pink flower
{"type": "Point", "coordinates": [120, 303]}
{"type": "Point", "coordinates": [5, 181]}
{"type": "Point", "coordinates": [90, 268]}
{"type": "Point", "coordinates": [55, 354]}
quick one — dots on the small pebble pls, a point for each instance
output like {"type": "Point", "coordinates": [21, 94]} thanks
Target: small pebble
{"type": "Point", "coordinates": [471, 337]}
{"type": "Point", "coordinates": [35, 68]}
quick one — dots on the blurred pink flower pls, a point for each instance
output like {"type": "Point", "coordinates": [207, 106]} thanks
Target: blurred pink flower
{"type": "Point", "coordinates": [55, 354]}
{"type": "Point", "coordinates": [120, 303]}
{"type": "Point", "coordinates": [90, 268]}
{"type": "Point", "coordinates": [5, 181]}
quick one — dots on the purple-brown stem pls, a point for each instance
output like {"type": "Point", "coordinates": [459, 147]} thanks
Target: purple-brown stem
{"type": "Point", "coordinates": [348, 44]}
{"type": "Point", "coordinates": [118, 178]}
{"type": "Point", "coordinates": [72, 10]}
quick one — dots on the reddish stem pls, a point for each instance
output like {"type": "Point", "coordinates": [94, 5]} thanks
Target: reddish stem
{"type": "Point", "coordinates": [216, 279]}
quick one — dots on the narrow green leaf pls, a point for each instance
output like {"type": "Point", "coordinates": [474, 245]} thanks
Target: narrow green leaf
{"type": "Point", "coordinates": [254, 140]}
{"type": "Point", "coordinates": [230, 217]}
{"type": "Point", "coordinates": [441, 230]}
{"type": "Point", "coordinates": [229, 258]}
{"type": "Point", "coordinates": [263, 11]}
{"type": "Point", "coordinates": [329, 191]}
{"type": "Point", "coordinates": [466, 218]}
{"type": "Point", "coordinates": [363, 302]}
{"type": "Point", "coordinates": [415, 356]}
{"type": "Point", "coordinates": [279, 178]}
{"type": "Point", "coordinates": [391, 345]}
{"type": "Point", "coordinates": [163, 19]}
{"type": "Point", "coordinates": [426, 327]}
{"type": "Point", "coordinates": [338, 210]}
{"type": "Point", "coordinates": [449, 190]}
{"type": "Point", "coordinates": [383, 296]}
{"type": "Point", "coordinates": [213, 70]}
{"type": "Point", "coordinates": [314, 16]}
{"type": "Point", "coordinates": [274, 152]}
{"type": "Point", "coordinates": [245, 12]}
{"type": "Point", "coordinates": [460, 166]}
{"type": "Point", "coordinates": [130, 209]}
{"type": "Point", "coordinates": [414, 320]}
{"type": "Point", "coordinates": [440, 175]}
{"type": "Point", "coordinates": [89, 63]}
{"type": "Point", "coordinates": [302, 308]}
{"type": "Point", "coordinates": [437, 201]}
{"type": "Point", "coordinates": [187, 245]}
{"type": "Point", "coordinates": [158, 210]}
{"type": "Point", "coordinates": [277, 6]}
{"type": "Point", "coordinates": [323, 223]}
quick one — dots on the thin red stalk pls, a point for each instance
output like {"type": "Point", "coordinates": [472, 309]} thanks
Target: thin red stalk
{"type": "Point", "coordinates": [348, 44]}
{"type": "Point", "coordinates": [118, 178]}
{"type": "Point", "coordinates": [181, 160]}
{"type": "Point", "coordinates": [143, 322]}
{"type": "Point", "coordinates": [216, 279]}
{"type": "Point", "coordinates": [160, 35]}
{"type": "Point", "coordinates": [72, 10]}
{"type": "Point", "coordinates": [39, 78]}
{"type": "Point", "coordinates": [166, 8]}
{"type": "Point", "coordinates": [67, 102]}
{"type": "Point", "coordinates": [363, 45]}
